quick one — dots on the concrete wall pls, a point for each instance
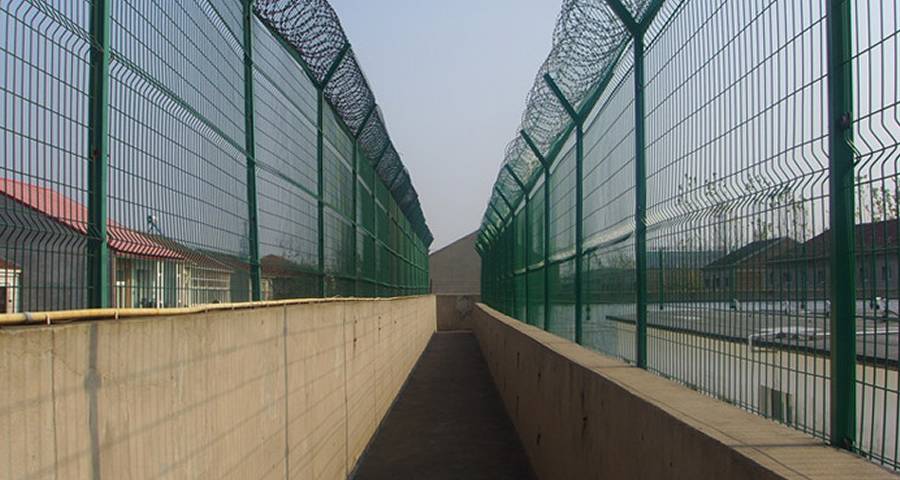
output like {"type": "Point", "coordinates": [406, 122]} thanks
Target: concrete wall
{"type": "Point", "coordinates": [280, 392]}
{"type": "Point", "coordinates": [583, 415]}
{"type": "Point", "coordinates": [455, 312]}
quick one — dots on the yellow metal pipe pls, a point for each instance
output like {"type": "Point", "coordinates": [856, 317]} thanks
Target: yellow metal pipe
{"type": "Point", "coordinates": [64, 316]}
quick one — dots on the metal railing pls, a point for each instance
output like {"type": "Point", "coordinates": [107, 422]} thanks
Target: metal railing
{"type": "Point", "coordinates": [709, 190]}
{"type": "Point", "coordinates": [165, 154]}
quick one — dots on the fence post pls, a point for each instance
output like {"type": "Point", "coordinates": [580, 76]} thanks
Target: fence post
{"type": "Point", "coordinates": [640, 197]}
{"type": "Point", "coordinates": [545, 167]}
{"type": "Point", "coordinates": [355, 219]}
{"type": "Point", "coordinates": [320, 190]}
{"type": "Point", "coordinates": [522, 187]}
{"type": "Point", "coordinates": [843, 282]}
{"type": "Point", "coordinates": [320, 162]}
{"type": "Point", "coordinates": [510, 232]}
{"type": "Point", "coordinates": [526, 255]}
{"type": "Point", "coordinates": [98, 281]}
{"type": "Point", "coordinates": [547, 302]}
{"type": "Point", "coordinates": [250, 150]}
{"type": "Point", "coordinates": [362, 126]}
{"type": "Point", "coordinates": [579, 231]}
{"type": "Point", "coordinates": [637, 30]}
{"type": "Point", "coordinates": [373, 191]}
{"type": "Point", "coordinates": [578, 120]}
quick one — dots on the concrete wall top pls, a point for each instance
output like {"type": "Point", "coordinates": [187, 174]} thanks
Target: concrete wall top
{"type": "Point", "coordinates": [581, 414]}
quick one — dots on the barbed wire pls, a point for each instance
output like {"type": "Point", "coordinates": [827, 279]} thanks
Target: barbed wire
{"type": "Point", "coordinates": [586, 41]}
{"type": "Point", "coordinates": [314, 30]}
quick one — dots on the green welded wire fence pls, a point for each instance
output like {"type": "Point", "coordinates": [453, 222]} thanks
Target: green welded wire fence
{"type": "Point", "coordinates": [709, 190]}
{"type": "Point", "coordinates": [161, 154]}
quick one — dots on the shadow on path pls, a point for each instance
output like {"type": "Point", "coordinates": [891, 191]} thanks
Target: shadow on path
{"type": "Point", "coordinates": [448, 422]}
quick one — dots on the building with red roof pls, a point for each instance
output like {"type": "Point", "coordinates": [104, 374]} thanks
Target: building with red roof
{"type": "Point", "coordinates": [805, 270]}
{"type": "Point", "coordinates": [43, 237]}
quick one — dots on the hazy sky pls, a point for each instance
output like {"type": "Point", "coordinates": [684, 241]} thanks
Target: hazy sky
{"type": "Point", "coordinates": [451, 79]}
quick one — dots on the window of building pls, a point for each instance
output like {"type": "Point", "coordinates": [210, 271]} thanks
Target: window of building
{"type": "Point", "coordinates": [210, 286]}
{"type": "Point", "coordinates": [885, 272]}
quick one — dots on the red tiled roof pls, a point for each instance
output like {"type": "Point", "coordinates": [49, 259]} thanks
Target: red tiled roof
{"type": "Point", "coordinates": [74, 215]}
{"type": "Point", "coordinates": [5, 265]}
{"type": "Point", "coordinates": [870, 238]}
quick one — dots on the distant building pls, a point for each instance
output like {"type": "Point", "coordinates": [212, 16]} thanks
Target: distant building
{"type": "Point", "coordinates": [201, 277]}
{"type": "Point", "coordinates": [744, 273]}
{"type": "Point", "coordinates": [9, 287]}
{"type": "Point", "coordinates": [456, 268]}
{"type": "Point", "coordinates": [676, 275]}
{"type": "Point", "coordinates": [806, 268]}
{"type": "Point", "coordinates": [283, 278]}
{"type": "Point", "coordinates": [43, 245]}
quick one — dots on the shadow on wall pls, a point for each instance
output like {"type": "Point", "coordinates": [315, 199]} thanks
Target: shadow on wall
{"type": "Point", "coordinates": [454, 312]}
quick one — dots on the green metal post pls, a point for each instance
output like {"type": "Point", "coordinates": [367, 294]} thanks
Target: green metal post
{"type": "Point", "coordinates": [500, 219]}
{"type": "Point", "coordinates": [250, 149]}
{"type": "Point", "coordinates": [547, 302]}
{"type": "Point", "coordinates": [362, 126]}
{"type": "Point", "coordinates": [373, 189]}
{"type": "Point", "coordinates": [320, 189]}
{"type": "Point", "coordinates": [579, 232]}
{"type": "Point", "coordinates": [521, 185]}
{"type": "Point", "coordinates": [510, 229]}
{"type": "Point", "coordinates": [843, 283]}
{"type": "Point", "coordinates": [509, 206]}
{"type": "Point", "coordinates": [320, 162]}
{"type": "Point", "coordinates": [527, 251]}
{"type": "Point", "coordinates": [355, 220]}
{"type": "Point", "coordinates": [512, 262]}
{"type": "Point", "coordinates": [578, 120]}
{"type": "Point", "coordinates": [98, 156]}
{"type": "Point", "coordinates": [640, 169]}
{"type": "Point", "coordinates": [640, 197]}
{"type": "Point", "coordinates": [545, 166]}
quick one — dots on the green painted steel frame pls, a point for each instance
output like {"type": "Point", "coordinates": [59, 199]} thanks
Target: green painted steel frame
{"type": "Point", "coordinates": [98, 271]}
{"type": "Point", "coordinates": [524, 190]}
{"type": "Point", "coordinates": [545, 168]}
{"type": "Point", "coordinates": [841, 206]}
{"type": "Point", "coordinates": [578, 120]}
{"type": "Point", "coordinates": [99, 264]}
{"type": "Point", "coordinates": [250, 154]}
{"type": "Point", "coordinates": [841, 199]}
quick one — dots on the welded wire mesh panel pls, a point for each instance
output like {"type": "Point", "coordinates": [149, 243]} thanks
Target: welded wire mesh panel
{"type": "Point", "coordinates": [876, 137]}
{"type": "Point", "coordinates": [337, 164]}
{"type": "Point", "coordinates": [44, 93]}
{"type": "Point", "coordinates": [534, 298]}
{"type": "Point", "coordinates": [535, 256]}
{"type": "Point", "coordinates": [287, 236]}
{"type": "Point", "coordinates": [737, 193]}
{"type": "Point", "coordinates": [536, 226]}
{"type": "Point", "coordinates": [562, 205]}
{"type": "Point", "coordinates": [177, 194]}
{"type": "Point", "coordinates": [608, 282]}
{"type": "Point", "coordinates": [314, 31]}
{"type": "Point", "coordinates": [285, 134]}
{"type": "Point", "coordinates": [212, 173]}
{"type": "Point", "coordinates": [740, 144]}
{"type": "Point", "coordinates": [561, 292]}
{"type": "Point", "coordinates": [519, 252]}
